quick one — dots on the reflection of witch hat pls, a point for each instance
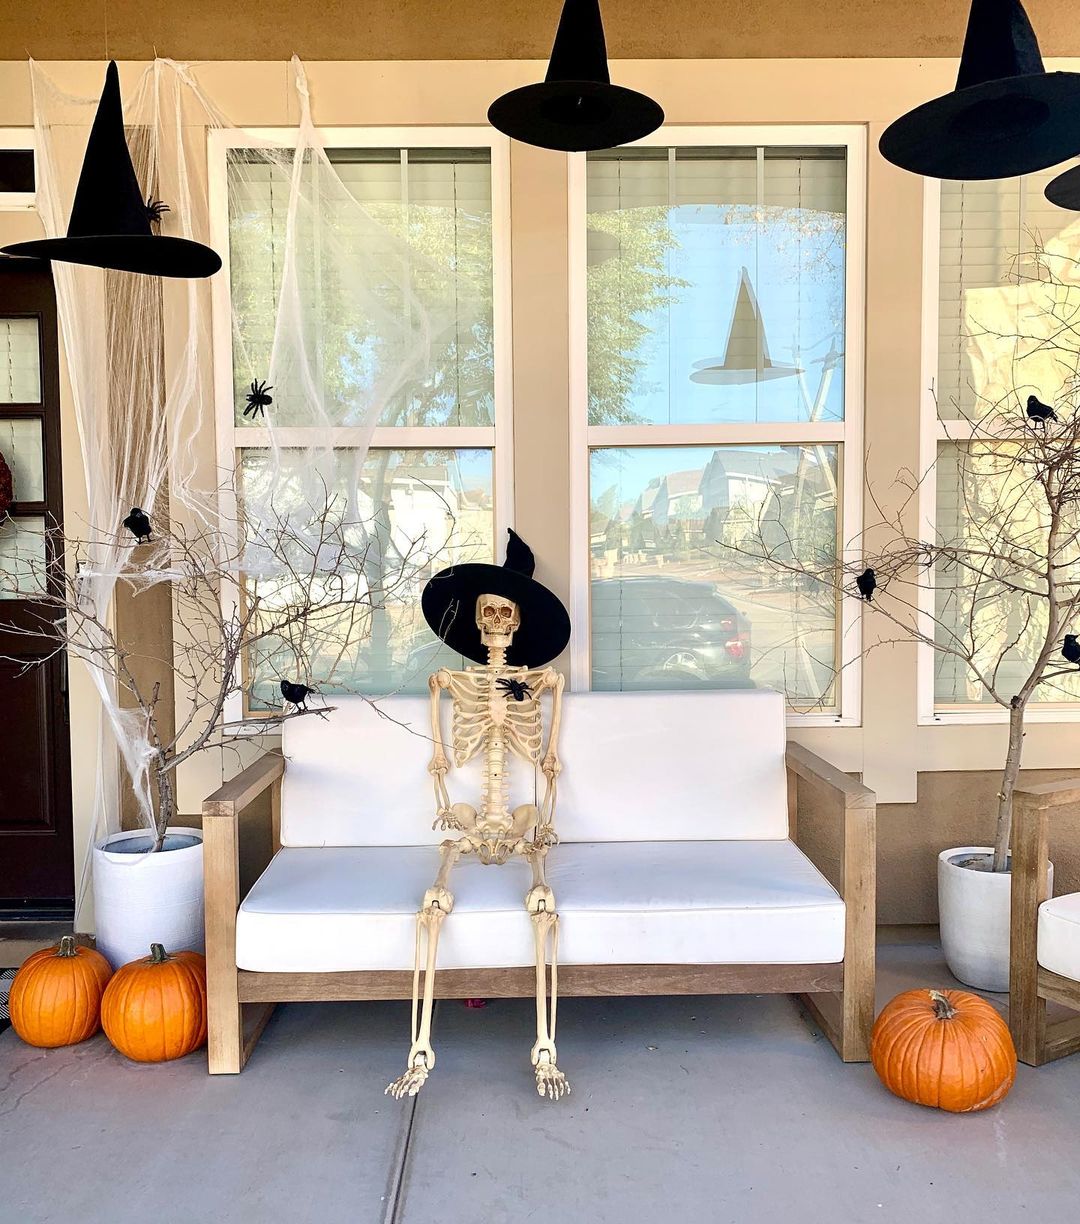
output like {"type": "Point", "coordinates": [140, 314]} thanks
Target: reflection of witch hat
{"type": "Point", "coordinates": [1064, 191]}
{"type": "Point", "coordinates": [746, 355]}
{"type": "Point", "coordinates": [1007, 114]}
{"type": "Point", "coordinates": [109, 225]}
{"type": "Point", "coordinates": [449, 605]}
{"type": "Point", "coordinates": [576, 107]}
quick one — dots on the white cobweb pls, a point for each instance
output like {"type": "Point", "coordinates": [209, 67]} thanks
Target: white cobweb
{"type": "Point", "coordinates": [343, 334]}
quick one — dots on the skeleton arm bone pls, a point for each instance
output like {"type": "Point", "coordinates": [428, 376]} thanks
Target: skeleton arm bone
{"type": "Point", "coordinates": [550, 764]}
{"type": "Point", "coordinates": [440, 764]}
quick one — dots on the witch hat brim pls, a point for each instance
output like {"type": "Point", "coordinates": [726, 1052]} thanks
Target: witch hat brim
{"type": "Point", "coordinates": [746, 353]}
{"type": "Point", "coordinates": [576, 109]}
{"type": "Point", "coordinates": [1007, 116]}
{"type": "Point", "coordinates": [575, 116]}
{"type": "Point", "coordinates": [449, 600]}
{"type": "Point", "coordinates": [1064, 191]}
{"type": "Point", "coordinates": [110, 225]}
{"type": "Point", "coordinates": [1000, 129]}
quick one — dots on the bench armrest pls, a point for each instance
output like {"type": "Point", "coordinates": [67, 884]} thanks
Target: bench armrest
{"type": "Point", "coordinates": [857, 807]}
{"type": "Point", "coordinates": [239, 792]}
{"type": "Point", "coordinates": [1032, 806]}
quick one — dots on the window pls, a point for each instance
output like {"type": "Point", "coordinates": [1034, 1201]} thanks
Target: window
{"type": "Point", "coordinates": [989, 314]}
{"type": "Point", "coordinates": [432, 469]}
{"type": "Point", "coordinates": [17, 169]}
{"type": "Point", "coordinates": [716, 386]}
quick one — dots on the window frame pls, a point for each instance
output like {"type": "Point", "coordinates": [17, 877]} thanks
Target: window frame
{"type": "Point", "coordinates": [498, 437]}
{"type": "Point", "coordinates": [847, 434]}
{"type": "Point", "coordinates": [19, 138]}
{"type": "Point", "coordinates": [933, 430]}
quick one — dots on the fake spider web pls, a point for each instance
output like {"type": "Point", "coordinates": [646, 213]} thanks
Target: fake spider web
{"type": "Point", "coordinates": [349, 321]}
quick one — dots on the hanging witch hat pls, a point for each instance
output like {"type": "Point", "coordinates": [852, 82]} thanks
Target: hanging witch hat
{"type": "Point", "coordinates": [449, 605]}
{"type": "Point", "coordinates": [1007, 115]}
{"type": "Point", "coordinates": [746, 354]}
{"type": "Point", "coordinates": [576, 108]}
{"type": "Point", "coordinates": [109, 225]}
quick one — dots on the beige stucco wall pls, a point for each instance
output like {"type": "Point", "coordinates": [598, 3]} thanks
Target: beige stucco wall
{"type": "Point", "coordinates": [919, 815]}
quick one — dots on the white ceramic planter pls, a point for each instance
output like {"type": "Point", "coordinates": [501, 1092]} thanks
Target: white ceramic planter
{"type": "Point", "coordinates": [973, 909]}
{"type": "Point", "coordinates": [140, 898]}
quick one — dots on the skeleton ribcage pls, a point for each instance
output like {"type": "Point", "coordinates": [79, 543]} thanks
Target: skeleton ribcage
{"type": "Point", "coordinates": [471, 698]}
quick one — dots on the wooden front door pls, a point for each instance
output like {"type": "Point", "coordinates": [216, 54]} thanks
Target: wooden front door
{"type": "Point", "coordinates": [36, 851]}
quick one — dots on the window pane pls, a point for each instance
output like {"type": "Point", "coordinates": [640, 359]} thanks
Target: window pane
{"type": "Point", "coordinates": [992, 291]}
{"type": "Point", "coordinates": [434, 202]}
{"type": "Point", "coordinates": [716, 285]}
{"type": "Point", "coordinates": [985, 501]}
{"type": "Point", "coordinates": [21, 445]}
{"type": "Point", "coordinates": [419, 511]}
{"type": "Point", "coordinates": [20, 362]}
{"type": "Point", "coordinates": [675, 605]}
{"type": "Point", "coordinates": [22, 557]}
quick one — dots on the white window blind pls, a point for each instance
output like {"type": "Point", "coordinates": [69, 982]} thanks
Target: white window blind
{"type": "Point", "coordinates": [992, 294]}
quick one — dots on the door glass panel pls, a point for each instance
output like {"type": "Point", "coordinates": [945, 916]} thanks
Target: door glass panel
{"type": "Point", "coordinates": [22, 557]}
{"type": "Point", "coordinates": [20, 362]}
{"type": "Point", "coordinates": [22, 446]}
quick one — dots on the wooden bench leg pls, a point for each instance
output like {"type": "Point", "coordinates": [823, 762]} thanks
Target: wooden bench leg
{"type": "Point", "coordinates": [846, 1017]}
{"type": "Point", "coordinates": [221, 880]}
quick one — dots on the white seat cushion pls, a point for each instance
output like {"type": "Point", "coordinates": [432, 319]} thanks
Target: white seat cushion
{"type": "Point", "coordinates": [324, 909]}
{"type": "Point", "coordinates": [1059, 935]}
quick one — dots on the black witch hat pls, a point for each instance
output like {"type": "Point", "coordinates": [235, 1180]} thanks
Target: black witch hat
{"type": "Point", "coordinates": [449, 605]}
{"type": "Point", "coordinates": [1007, 115]}
{"type": "Point", "coordinates": [576, 108]}
{"type": "Point", "coordinates": [109, 225]}
{"type": "Point", "coordinates": [746, 354]}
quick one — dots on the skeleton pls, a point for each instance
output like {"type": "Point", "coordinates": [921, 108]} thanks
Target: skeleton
{"type": "Point", "coordinates": [501, 721]}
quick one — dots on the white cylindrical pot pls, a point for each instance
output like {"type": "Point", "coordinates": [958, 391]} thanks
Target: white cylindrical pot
{"type": "Point", "coordinates": [142, 898]}
{"type": "Point", "coordinates": [974, 912]}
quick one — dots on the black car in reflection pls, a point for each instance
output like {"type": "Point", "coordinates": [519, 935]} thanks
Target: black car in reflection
{"type": "Point", "coordinates": [657, 633]}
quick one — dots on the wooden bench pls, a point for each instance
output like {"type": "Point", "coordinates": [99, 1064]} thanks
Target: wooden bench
{"type": "Point", "coordinates": [678, 869]}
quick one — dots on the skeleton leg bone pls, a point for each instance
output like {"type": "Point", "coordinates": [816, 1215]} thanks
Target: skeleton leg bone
{"type": "Point", "coordinates": [540, 902]}
{"type": "Point", "coordinates": [438, 902]}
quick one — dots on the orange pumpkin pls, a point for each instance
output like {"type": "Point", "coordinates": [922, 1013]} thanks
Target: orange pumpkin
{"type": "Point", "coordinates": [56, 995]}
{"type": "Point", "coordinates": [944, 1048]}
{"type": "Point", "coordinates": [155, 1008]}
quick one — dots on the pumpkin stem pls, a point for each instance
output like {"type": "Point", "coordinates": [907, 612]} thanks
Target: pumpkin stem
{"type": "Point", "coordinates": [158, 955]}
{"type": "Point", "coordinates": [943, 1009]}
{"type": "Point", "coordinates": [67, 946]}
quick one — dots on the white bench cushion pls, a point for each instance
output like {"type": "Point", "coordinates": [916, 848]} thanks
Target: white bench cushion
{"type": "Point", "coordinates": [708, 902]}
{"type": "Point", "coordinates": [636, 767]}
{"type": "Point", "coordinates": [1059, 935]}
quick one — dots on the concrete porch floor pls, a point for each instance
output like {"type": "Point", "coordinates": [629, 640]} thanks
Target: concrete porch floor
{"type": "Point", "coordinates": [703, 1109]}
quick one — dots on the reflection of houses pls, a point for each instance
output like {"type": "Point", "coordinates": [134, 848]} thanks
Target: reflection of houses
{"type": "Point", "coordinates": [678, 501]}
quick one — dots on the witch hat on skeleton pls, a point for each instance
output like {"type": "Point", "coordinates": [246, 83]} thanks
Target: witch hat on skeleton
{"type": "Point", "coordinates": [1007, 115]}
{"type": "Point", "coordinates": [576, 108]}
{"type": "Point", "coordinates": [449, 605]}
{"type": "Point", "coordinates": [109, 225]}
{"type": "Point", "coordinates": [746, 354]}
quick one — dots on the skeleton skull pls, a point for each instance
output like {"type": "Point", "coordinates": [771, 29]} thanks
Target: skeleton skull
{"type": "Point", "coordinates": [497, 619]}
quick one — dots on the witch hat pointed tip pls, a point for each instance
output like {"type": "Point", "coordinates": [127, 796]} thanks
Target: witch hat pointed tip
{"type": "Point", "coordinates": [519, 556]}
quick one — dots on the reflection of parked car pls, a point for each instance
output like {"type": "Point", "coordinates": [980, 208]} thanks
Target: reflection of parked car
{"type": "Point", "coordinates": [667, 633]}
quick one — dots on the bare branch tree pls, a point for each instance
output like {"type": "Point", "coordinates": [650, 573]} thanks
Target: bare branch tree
{"type": "Point", "coordinates": [996, 585]}
{"type": "Point", "coordinates": [285, 590]}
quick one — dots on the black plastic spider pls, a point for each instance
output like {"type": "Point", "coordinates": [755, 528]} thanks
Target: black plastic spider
{"type": "Point", "coordinates": [258, 400]}
{"type": "Point", "coordinates": [517, 689]}
{"type": "Point", "coordinates": [155, 209]}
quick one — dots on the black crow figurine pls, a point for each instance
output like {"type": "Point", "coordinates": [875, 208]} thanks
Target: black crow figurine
{"type": "Point", "coordinates": [867, 584]}
{"type": "Point", "coordinates": [1039, 412]}
{"type": "Point", "coordinates": [1070, 650]}
{"type": "Point", "coordinates": [295, 694]}
{"type": "Point", "coordinates": [138, 524]}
